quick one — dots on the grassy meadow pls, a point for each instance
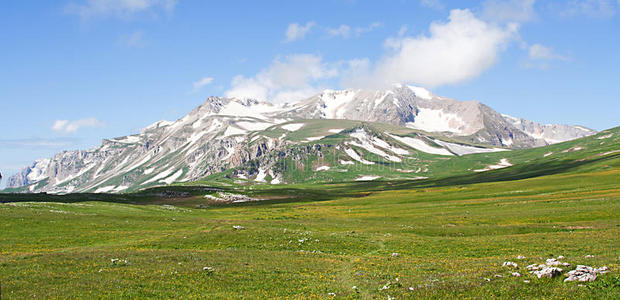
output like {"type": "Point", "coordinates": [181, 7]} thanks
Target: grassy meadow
{"type": "Point", "coordinates": [437, 238]}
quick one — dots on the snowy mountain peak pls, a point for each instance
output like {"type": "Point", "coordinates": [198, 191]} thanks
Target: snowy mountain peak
{"type": "Point", "coordinates": [217, 135]}
{"type": "Point", "coordinates": [421, 92]}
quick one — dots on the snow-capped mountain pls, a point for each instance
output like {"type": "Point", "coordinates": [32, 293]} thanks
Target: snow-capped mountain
{"type": "Point", "coordinates": [224, 133]}
{"type": "Point", "coordinates": [417, 108]}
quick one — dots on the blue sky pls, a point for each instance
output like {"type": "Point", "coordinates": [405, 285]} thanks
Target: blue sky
{"type": "Point", "coordinates": [74, 72]}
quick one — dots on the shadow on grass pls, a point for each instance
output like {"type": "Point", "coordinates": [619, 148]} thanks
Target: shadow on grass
{"type": "Point", "coordinates": [315, 192]}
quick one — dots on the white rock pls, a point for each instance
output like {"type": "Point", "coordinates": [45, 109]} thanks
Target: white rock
{"type": "Point", "coordinates": [510, 264]}
{"type": "Point", "coordinates": [516, 274]}
{"type": "Point", "coordinates": [601, 270]}
{"type": "Point", "coordinates": [520, 257]}
{"type": "Point", "coordinates": [548, 272]}
{"type": "Point", "coordinates": [581, 273]}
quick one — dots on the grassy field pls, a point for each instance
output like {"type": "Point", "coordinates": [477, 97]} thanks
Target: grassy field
{"type": "Point", "coordinates": [451, 236]}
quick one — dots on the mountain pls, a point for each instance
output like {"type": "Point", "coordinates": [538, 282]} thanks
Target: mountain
{"type": "Point", "coordinates": [245, 139]}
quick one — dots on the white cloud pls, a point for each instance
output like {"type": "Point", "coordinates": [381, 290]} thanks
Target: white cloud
{"type": "Point", "coordinates": [66, 126]}
{"type": "Point", "coordinates": [202, 82]}
{"type": "Point", "coordinates": [590, 8]}
{"type": "Point", "coordinates": [346, 31]}
{"type": "Point", "coordinates": [342, 30]}
{"type": "Point", "coordinates": [538, 51]}
{"type": "Point", "coordinates": [134, 40]}
{"type": "Point", "coordinates": [290, 79]}
{"type": "Point", "coordinates": [34, 143]}
{"type": "Point", "coordinates": [295, 31]}
{"type": "Point", "coordinates": [455, 51]}
{"type": "Point", "coordinates": [118, 8]}
{"type": "Point", "coordinates": [508, 11]}
{"type": "Point", "coordinates": [539, 56]}
{"type": "Point", "coordinates": [434, 4]}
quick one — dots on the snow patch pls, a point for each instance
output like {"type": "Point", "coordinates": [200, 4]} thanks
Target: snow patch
{"type": "Point", "coordinates": [105, 189]}
{"type": "Point", "coordinates": [609, 152]}
{"type": "Point", "coordinates": [464, 150]}
{"type": "Point", "coordinates": [322, 168]}
{"type": "Point", "coordinates": [572, 149]}
{"type": "Point", "coordinates": [436, 120]}
{"type": "Point", "coordinates": [421, 92]}
{"type": "Point", "coordinates": [380, 100]}
{"type": "Point", "coordinates": [367, 142]}
{"type": "Point", "coordinates": [159, 176]}
{"type": "Point", "coordinates": [335, 130]}
{"type": "Point", "coordinates": [293, 126]}
{"type": "Point", "coordinates": [503, 163]}
{"type": "Point", "coordinates": [314, 138]}
{"type": "Point", "coordinates": [173, 177]}
{"type": "Point", "coordinates": [130, 139]}
{"type": "Point", "coordinates": [253, 126]}
{"type": "Point", "coordinates": [336, 102]}
{"type": "Point", "coordinates": [420, 145]}
{"type": "Point", "coordinates": [356, 157]}
{"type": "Point", "coordinates": [233, 131]}
{"type": "Point", "coordinates": [261, 175]}
{"type": "Point", "coordinates": [366, 178]}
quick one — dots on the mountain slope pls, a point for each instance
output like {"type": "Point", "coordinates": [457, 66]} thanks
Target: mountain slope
{"type": "Point", "coordinates": [223, 134]}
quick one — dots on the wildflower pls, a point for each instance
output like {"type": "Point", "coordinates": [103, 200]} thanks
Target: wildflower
{"type": "Point", "coordinates": [331, 294]}
{"type": "Point", "coordinates": [395, 254]}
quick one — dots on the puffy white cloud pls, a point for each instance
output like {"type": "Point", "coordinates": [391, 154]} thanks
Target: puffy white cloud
{"type": "Point", "coordinates": [346, 31]}
{"type": "Point", "coordinates": [295, 31]}
{"type": "Point", "coordinates": [454, 51]}
{"type": "Point", "coordinates": [202, 82]}
{"type": "Point", "coordinates": [119, 8]}
{"type": "Point", "coordinates": [434, 4]}
{"type": "Point", "coordinates": [508, 11]}
{"type": "Point", "coordinates": [290, 79]}
{"type": "Point", "coordinates": [66, 126]}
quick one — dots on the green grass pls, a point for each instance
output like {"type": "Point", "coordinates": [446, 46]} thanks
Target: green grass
{"type": "Point", "coordinates": [449, 237]}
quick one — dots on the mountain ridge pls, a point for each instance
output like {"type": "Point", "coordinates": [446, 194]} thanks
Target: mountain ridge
{"type": "Point", "coordinates": [221, 134]}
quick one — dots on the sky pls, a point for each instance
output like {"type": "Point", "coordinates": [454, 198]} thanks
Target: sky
{"type": "Point", "coordinates": [74, 72]}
